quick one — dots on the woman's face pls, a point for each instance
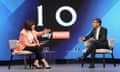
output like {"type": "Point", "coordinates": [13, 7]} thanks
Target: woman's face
{"type": "Point", "coordinates": [33, 27]}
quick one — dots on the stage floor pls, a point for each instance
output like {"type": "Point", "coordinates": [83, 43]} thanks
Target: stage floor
{"type": "Point", "coordinates": [64, 68]}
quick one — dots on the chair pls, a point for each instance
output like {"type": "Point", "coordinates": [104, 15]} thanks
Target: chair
{"type": "Point", "coordinates": [104, 51]}
{"type": "Point", "coordinates": [25, 53]}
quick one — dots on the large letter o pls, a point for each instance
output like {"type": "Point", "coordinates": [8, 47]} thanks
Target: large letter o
{"type": "Point", "coordinates": [71, 10]}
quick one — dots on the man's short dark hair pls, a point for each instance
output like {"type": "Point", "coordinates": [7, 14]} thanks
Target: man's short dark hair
{"type": "Point", "coordinates": [98, 20]}
{"type": "Point", "coordinates": [28, 24]}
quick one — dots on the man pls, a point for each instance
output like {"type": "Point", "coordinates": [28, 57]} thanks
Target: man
{"type": "Point", "coordinates": [96, 39]}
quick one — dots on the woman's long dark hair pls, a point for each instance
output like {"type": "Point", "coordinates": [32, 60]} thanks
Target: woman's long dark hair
{"type": "Point", "coordinates": [28, 24]}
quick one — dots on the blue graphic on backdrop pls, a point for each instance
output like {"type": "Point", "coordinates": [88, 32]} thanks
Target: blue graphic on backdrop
{"type": "Point", "coordinates": [12, 6]}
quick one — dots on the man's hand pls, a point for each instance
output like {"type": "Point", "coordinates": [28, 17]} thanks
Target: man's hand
{"type": "Point", "coordinates": [81, 38]}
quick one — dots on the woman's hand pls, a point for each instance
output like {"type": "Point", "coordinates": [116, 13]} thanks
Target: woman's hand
{"type": "Point", "coordinates": [35, 45]}
{"type": "Point", "coordinates": [46, 30]}
{"type": "Point", "coordinates": [39, 44]}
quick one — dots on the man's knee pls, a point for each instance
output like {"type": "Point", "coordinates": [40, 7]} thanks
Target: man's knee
{"type": "Point", "coordinates": [91, 44]}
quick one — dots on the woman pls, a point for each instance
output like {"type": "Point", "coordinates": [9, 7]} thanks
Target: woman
{"type": "Point", "coordinates": [28, 41]}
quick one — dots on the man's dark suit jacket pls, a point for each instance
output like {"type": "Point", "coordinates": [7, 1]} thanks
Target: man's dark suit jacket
{"type": "Point", "coordinates": [102, 35]}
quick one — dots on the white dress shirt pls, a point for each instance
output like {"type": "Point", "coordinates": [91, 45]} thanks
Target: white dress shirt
{"type": "Point", "coordinates": [97, 33]}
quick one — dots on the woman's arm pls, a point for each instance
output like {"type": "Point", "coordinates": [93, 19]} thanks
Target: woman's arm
{"type": "Point", "coordinates": [39, 33]}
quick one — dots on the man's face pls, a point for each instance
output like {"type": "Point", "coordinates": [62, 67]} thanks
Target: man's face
{"type": "Point", "coordinates": [95, 24]}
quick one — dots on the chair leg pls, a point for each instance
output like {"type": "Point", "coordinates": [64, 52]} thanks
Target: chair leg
{"type": "Point", "coordinates": [113, 60]}
{"type": "Point", "coordinates": [25, 62]}
{"type": "Point", "coordinates": [82, 65]}
{"type": "Point", "coordinates": [54, 56]}
{"type": "Point", "coordinates": [11, 58]}
{"type": "Point", "coordinates": [50, 59]}
{"type": "Point", "coordinates": [30, 61]}
{"type": "Point", "coordinates": [103, 60]}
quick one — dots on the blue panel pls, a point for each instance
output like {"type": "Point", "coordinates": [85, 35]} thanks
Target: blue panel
{"type": "Point", "coordinates": [12, 5]}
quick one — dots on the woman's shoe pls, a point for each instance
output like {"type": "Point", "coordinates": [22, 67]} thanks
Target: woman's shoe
{"type": "Point", "coordinates": [37, 67]}
{"type": "Point", "coordinates": [47, 67]}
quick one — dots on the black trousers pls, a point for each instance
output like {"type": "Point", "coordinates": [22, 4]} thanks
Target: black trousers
{"type": "Point", "coordinates": [95, 44]}
{"type": "Point", "coordinates": [37, 50]}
